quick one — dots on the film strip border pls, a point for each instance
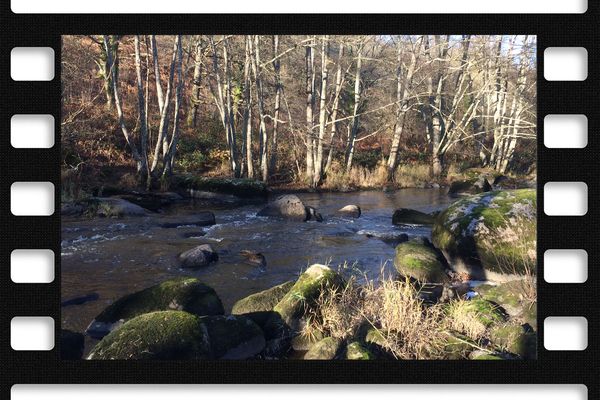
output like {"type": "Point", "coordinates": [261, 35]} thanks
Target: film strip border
{"type": "Point", "coordinates": [555, 232]}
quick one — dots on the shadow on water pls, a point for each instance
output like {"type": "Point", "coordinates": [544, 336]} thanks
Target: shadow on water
{"type": "Point", "coordinates": [112, 258]}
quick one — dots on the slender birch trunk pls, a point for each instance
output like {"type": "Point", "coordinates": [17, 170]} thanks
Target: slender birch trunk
{"type": "Point", "coordinates": [196, 81]}
{"type": "Point", "coordinates": [318, 162]}
{"type": "Point", "coordinates": [277, 106]}
{"type": "Point", "coordinates": [141, 111]}
{"type": "Point", "coordinates": [168, 162]}
{"type": "Point", "coordinates": [262, 131]}
{"type": "Point", "coordinates": [335, 107]}
{"type": "Point", "coordinates": [310, 100]}
{"type": "Point", "coordinates": [247, 116]}
{"type": "Point", "coordinates": [355, 113]}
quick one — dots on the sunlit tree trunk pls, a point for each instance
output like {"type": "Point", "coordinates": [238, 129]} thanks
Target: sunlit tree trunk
{"type": "Point", "coordinates": [247, 116]}
{"type": "Point", "coordinates": [262, 131]}
{"type": "Point", "coordinates": [335, 107]}
{"type": "Point", "coordinates": [355, 113]}
{"type": "Point", "coordinates": [168, 161]}
{"type": "Point", "coordinates": [318, 162]}
{"type": "Point", "coordinates": [142, 111]}
{"type": "Point", "coordinates": [278, 89]}
{"type": "Point", "coordinates": [310, 100]}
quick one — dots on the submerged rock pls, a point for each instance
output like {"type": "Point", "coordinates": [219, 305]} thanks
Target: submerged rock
{"type": "Point", "coordinates": [325, 349]}
{"type": "Point", "coordinates": [393, 238]}
{"type": "Point", "coordinates": [288, 206]}
{"type": "Point", "coordinates": [313, 214]}
{"type": "Point", "coordinates": [71, 345]}
{"type": "Point", "coordinates": [417, 260]}
{"type": "Point", "coordinates": [214, 197]}
{"type": "Point", "coordinates": [75, 301]}
{"type": "Point", "coordinates": [204, 218]}
{"type": "Point", "coordinates": [491, 236]}
{"type": "Point", "coordinates": [404, 216]}
{"type": "Point", "coordinates": [254, 258]}
{"type": "Point", "coordinates": [199, 256]}
{"type": "Point", "coordinates": [150, 200]}
{"type": "Point", "coordinates": [185, 294]}
{"type": "Point", "coordinates": [351, 210]}
{"type": "Point", "coordinates": [161, 335]}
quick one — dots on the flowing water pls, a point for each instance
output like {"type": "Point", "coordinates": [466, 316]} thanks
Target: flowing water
{"type": "Point", "coordinates": [113, 257]}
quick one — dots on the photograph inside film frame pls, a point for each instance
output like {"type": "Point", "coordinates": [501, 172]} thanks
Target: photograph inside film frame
{"type": "Point", "coordinates": [315, 197]}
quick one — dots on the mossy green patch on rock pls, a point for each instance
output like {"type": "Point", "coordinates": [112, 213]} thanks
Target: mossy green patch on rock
{"type": "Point", "coordinates": [262, 301]}
{"type": "Point", "coordinates": [417, 260]}
{"type": "Point", "coordinates": [239, 187]}
{"type": "Point", "coordinates": [161, 335]}
{"type": "Point", "coordinates": [305, 291]}
{"type": "Point", "coordinates": [510, 295]}
{"type": "Point", "coordinates": [482, 310]}
{"type": "Point", "coordinates": [326, 349]}
{"type": "Point", "coordinates": [457, 347]}
{"type": "Point", "coordinates": [182, 294]}
{"type": "Point", "coordinates": [490, 235]}
{"type": "Point", "coordinates": [233, 337]}
{"type": "Point", "coordinates": [356, 351]}
{"type": "Point", "coordinates": [514, 339]}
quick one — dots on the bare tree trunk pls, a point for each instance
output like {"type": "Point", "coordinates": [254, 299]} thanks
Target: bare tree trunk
{"type": "Point", "coordinates": [402, 93]}
{"type": "Point", "coordinates": [196, 80]}
{"type": "Point", "coordinates": [334, 111]}
{"type": "Point", "coordinates": [161, 140]}
{"type": "Point", "coordinates": [117, 99]}
{"type": "Point", "coordinates": [310, 100]}
{"type": "Point", "coordinates": [355, 116]}
{"type": "Point", "coordinates": [278, 89]}
{"type": "Point", "coordinates": [168, 161]}
{"type": "Point", "coordinates": [318, 162]}
{"type": "Point", "coordinates": [229, 110]}
{"type": "Point", "coordinates": [262, 131]}
{"type": "Point", "coordinates": [247, 116]}
{"type": "Point", "coordinates": [142, 111]}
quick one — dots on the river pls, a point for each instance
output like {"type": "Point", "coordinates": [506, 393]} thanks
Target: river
{"type": "Point", "coordinates": [110, 258]}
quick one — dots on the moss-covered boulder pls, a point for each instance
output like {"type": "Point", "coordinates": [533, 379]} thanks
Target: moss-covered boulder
{"type": "Point", "coordinates": [161, 335]}
{"type": "Point", "coordinates": [183, 294]}
{"type": "Point", "coordinates": [403, 216]}
{"type": "Point", "coordinates": [491, 236]}
{"type": "Point", "coordinates": [514, 339]}
{"type": "Point", "coordinates": [356, 351]}
{"type": "Point", "coordinates": [419, 261]}
{"type": "Point", "coordinates": [233, 337]}
{"type": "Point", "coordinates": [258, 306]}
{"type": "Point", "coordinates": [199, 256]}
{"type": "Point", "coordinates": [104, 207]}
{"type": "Point", "coordinates": [71, 345]}
{"type": "Point", "coordinates": [326, 349]}
{"type": "Point", "coordinates": [510, 295]}
{"type": "Point", "coordinates": [288, 206]}
{"type": "Point", "coordinates": [475, 311]}
{"type": "Point", "coordinates": [484, 355]}
{"type": "Point", "coordinates": [457, 347]}
{"type": "Point", "coordinates": [305, 292]}
{"type": "Point", "coordinates": [245, 188]}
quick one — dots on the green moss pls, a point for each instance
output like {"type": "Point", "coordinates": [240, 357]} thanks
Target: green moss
{"type": "Point", "coordinates": [162, 335]}
{"type": "Point", "coordinates": [457, 347]}
{"type": "Point", "coordinates": [484, 311]}
{"type": "Point", "coordinates": [514, 339]}
{"type": "Point", "coordinates": [419, 261]}
{"type": "Point", "coordinates": [236, 186]}
{"type": "Point", "coordinates": [183, 294]}
{"type": "Point", "coordinates": [356, 351]}
{"type": "Point", "coordinates": [496, 230]}
{"type": "Point", "coordinates": [262, 301]}
{"type": "Point", "coordinates": [487, 357]}
{"type": "Point", "coordinates": [305, 291]}
{"type": "Point", "coordinates": [326, 349]}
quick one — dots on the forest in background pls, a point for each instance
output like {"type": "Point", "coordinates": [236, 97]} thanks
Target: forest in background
{"type": "Point", "coordinates": [318, 111]}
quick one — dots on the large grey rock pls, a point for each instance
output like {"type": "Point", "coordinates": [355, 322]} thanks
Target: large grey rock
{"type": "Point", "coordinates": [288, 206]}
{"type": "Point", "coordinates": [404, 216]}
{"type": "Point", "coordinates": [419, 261]}
{"type": "Point", "coordinates": [351, 210]}
{"type": "Point", "coordinates": [199, 256]}
{"type": "Point", "coordinates": [490, 236]}
{"type": "Point", "coordinates": [204, 218]}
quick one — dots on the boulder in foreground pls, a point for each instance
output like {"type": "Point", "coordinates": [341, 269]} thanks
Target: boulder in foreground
{"type": "Point", "coordinates": [184, 294]}
{"type": "Point", "coordinates": [417, 260]}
